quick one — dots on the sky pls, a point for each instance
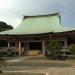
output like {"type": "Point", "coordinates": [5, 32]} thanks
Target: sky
{"type": "Point", "coordinates": [12, 11]}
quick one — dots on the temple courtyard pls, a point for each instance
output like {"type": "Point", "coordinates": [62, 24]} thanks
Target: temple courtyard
{"type": "Point", "coordinates": [38, 64]}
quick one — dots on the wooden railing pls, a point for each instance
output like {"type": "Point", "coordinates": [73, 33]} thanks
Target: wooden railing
{"type": "Point", "coordinates": [8, 51]}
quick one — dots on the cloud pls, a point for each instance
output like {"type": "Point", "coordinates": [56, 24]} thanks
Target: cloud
{"type": "Point", "coordinates": [5, 4]}
{"type": "Point", "coordinates": [14, 10]}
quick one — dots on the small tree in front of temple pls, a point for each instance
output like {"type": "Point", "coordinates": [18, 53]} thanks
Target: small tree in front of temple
{"type": "Point", "coordinates": [54, 48]}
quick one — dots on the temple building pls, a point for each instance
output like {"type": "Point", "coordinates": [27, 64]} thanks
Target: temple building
{"type": "Point", "coordinates": [31, 37]}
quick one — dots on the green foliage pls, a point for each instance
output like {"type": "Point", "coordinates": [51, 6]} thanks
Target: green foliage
{"type": "Point", "coordinates": [4, 26]}
{"type": "Point", "coordinates": [54, 48]}
{"type": "Point", "coordinates": [72, 49]}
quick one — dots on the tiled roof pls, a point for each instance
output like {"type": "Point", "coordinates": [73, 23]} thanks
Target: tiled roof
{"type": "Point", "coordinates": [39, 25]}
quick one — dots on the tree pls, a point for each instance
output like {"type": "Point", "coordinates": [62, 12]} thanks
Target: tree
{"type": "Point", "coordinates": [4, 26]}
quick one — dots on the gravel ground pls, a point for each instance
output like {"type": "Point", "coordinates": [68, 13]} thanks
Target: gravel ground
{"type": "Point", "coordinates": [42, 64]}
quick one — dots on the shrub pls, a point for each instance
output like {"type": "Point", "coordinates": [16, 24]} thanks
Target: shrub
{"type": "Point", "coordinates": [72, 49]}
{"type": "Point", "coordinates": [54, 48]}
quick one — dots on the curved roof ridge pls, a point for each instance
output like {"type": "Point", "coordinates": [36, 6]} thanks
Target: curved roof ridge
{"type": "Point", "coordinates": [41, 15]}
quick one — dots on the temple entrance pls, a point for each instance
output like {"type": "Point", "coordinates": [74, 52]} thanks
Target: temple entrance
{"type": "Point", "coordinates": [32, 48]}
{"type": "Point", "coordinates": [35, 48]}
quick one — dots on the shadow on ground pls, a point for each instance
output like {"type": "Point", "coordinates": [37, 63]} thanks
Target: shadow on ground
{"type": "Point", "coordinates": [38, 58]}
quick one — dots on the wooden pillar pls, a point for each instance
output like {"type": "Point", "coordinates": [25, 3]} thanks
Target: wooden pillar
{"type": "Point", "coordinates": [65, 42]}
{"type": "Point", "coordinates": [26, 48]}
{"type": "Point", "coordinates": [19, 48]}
{"type": "Point", "coordinates": [27, 45]}
{"type": "Point", "coordinates": [8, 44]}
{"type": "Point", "coordinates": [43, 47]}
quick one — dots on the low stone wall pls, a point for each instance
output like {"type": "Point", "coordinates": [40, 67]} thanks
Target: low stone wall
{"type": "Point", "coordinates": [23, 73]}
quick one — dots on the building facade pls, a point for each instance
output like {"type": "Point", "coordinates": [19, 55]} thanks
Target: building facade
{"type": "Point", "coordinates": [31, 37]}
